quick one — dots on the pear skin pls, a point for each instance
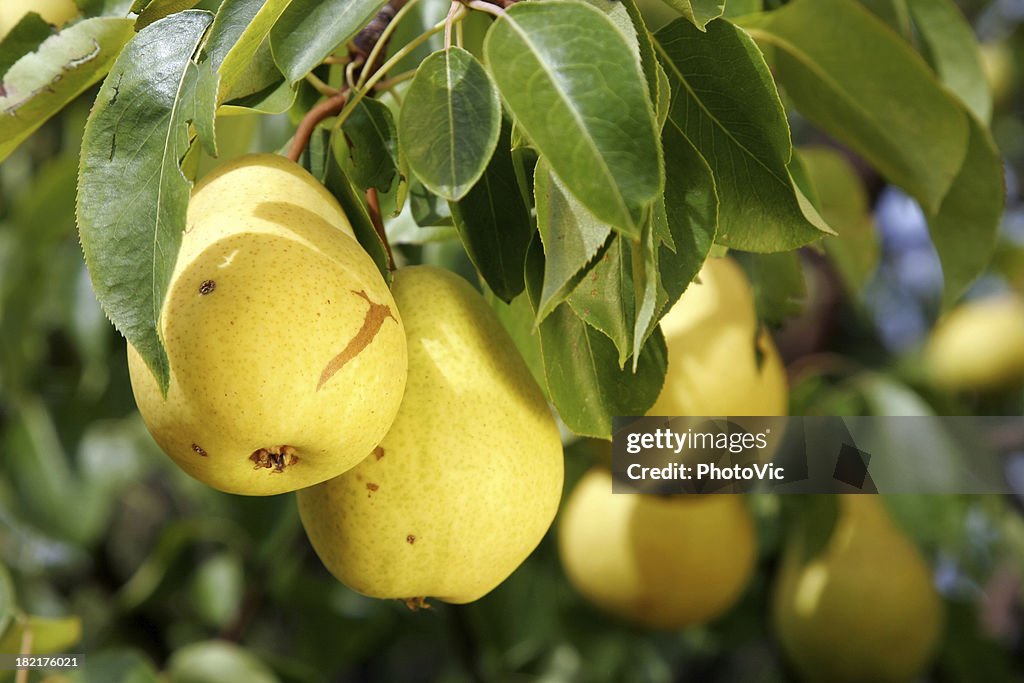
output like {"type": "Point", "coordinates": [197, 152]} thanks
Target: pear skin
{"type": "Point", "coordinates": [663, 562]}
{"type": "Point", "coordinates": [862, 609]}
{"type": "Point", "coordinates": [468, 479]}
{"type": "Point", "coordinates": [287, 352]}
{"type": "Point", "coordinates": [979, 346]}
{"type": "Point", "coordinates": [54, 12]}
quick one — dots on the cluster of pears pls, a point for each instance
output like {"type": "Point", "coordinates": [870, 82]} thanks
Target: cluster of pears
{"type": "Point", "coordinates": [674, 561]}
{"type": "Point", "coordinates": [426, 460]}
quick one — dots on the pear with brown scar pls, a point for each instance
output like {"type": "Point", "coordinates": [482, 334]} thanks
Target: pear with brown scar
{"type": "Point", "coordinates": [468, 479]}
{"type": "Point", "coordinates": [287, 352]}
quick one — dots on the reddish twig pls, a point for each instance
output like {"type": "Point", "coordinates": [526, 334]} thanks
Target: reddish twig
{"type": "Point", "coordinates": [325, 109]}
{"type": "Point", "coordinates": [373, 203]}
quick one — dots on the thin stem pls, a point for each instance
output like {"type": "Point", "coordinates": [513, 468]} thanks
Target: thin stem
{"type": "Point", "coordinates": [389, 83]}
{"type": "Point", "coordinates": [350, 72]}
{"type": "Point", "coordinates": [313, 117]}
{"type": "Point", "coordinates": [345, 59]}
{"type": "Point", "coordinates": [321, 87]}
{"type": "Point", "coordinates": [487, 7]}
{"type": "Point", "coordinates": [406, 50]}
{"type": "Point", "coordinates": [448, 21]}
{"type": "Point", "coordinates": [373, 204]}
{"type": "Point", "coordinates": [382, 41]}
{"type": "Point", "coordinates": [458, 34]}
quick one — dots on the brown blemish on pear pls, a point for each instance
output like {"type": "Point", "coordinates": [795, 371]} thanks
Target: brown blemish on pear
{"type": "Point", "coordinates": [199, 449]}
{"type": "Point", "coordinates": [375, 317]}
{"type": "Point", "coordinates": [207, 287]}
{"type": "Point", "coordinates": [378, 453]}
{"type": "Point", "coordinates": [275, 457]}
{"type": "Point", "coordinates": [410, 539]}
{"type": "Point", "coordinates": [371, 487]}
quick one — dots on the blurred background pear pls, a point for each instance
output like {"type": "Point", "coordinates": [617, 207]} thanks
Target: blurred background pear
{"type": "Point", "coordinates": [862, 609]}
{"type": "Point", "coordinates": [720, 361]}
{"type": "Point", "coordinates": [979, 345]}
{"type": "Point", "coordinates": [663, 562]}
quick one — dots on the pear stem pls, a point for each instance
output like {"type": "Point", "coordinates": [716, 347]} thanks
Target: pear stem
{"type": "Point", "coordinates": [373, 204]}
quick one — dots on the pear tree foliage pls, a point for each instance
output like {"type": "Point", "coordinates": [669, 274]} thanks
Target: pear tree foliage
{"type": "Point", "coordinates": [587, 163]}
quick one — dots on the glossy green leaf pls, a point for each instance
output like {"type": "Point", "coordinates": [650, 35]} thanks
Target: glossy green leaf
{"type": "Point", "coordinates": [577, 90]}
{"type": "Point", "coordinates": [605, 297]}
{"type": "Point", "coordinates": [495, 225]}
{"type": "Point", "coordinates": [950, 47]}
{"type": "Point", "coordinates": [896, 13]}
{"type": "Point", "coordinates": [158, 9]}
{"type": "Point", "coordinates": [585, 382]}
{"type": "Point", "coordinates": [238, 47]}
{"type": "Point", "coordinates": [217, 661]}
{"type": "Point", "coordinates": [310, 30]}
{"type": "Point", "coordinates": [40, 84]}
{"type": "Point", "coordinates": [570, 234]}
{"type": "Point", "coordinates": [739, 8]}
{"type": "Point", "coordinates": [369, 146]}
{"type": "Point", "coordinates": [965, 226]}
{"type": "Point", "coordinates": [843, 201]}
{"type": "Point", "coordinates": [449, 123]}
{"type": "Point", "coordinates": [846, 71]}
{"type": "Point", "coordinates": [698, 12]}
{"type": "Point", "coordinates": [136, 135]}
{"type": "Point", "coordinates": [745, 141]}
{"type": "Point", "coordinates": [47, 635]}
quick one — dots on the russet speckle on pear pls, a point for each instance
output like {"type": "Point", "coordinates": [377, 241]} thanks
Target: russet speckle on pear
{"type": "Point", "coordinates": [468, 478]}
{"type": "Point", "coordinates": [286, 349]}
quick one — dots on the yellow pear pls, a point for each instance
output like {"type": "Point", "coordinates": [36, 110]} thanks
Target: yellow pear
{"type": "Point", "coordinates": [468, 479]}
{"type": "Point", "coordinates": [862, 609]}
{"type": "Point", "coordinates": [979, 345]}
{"type": "Point", "coordinates": [287, 352]}
{"type": "Point", "coordinates": [658, 561]}
{"type": "Point", "coordinates": [56, 12]}
{"type": "Point", "coordinates": [718, 361]}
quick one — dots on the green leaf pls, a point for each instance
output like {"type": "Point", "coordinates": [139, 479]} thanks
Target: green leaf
{"type": "Point", "coordinates": [358, 214]}
{"type": "Point", "coordinates": [605, 297]}
{"type": "Point", "coordinates": [950, 48]}
{"type": "Point", "coordinates": [8, 600]}
{"type": "Point", "coordinates": [216, 588]}
{"type": "Point", "coordinates": [49, 635]}
{"type": "Point", "coordinates": [310, 30]}
{"type": "Point", "coordinates": [739, 8]}
{"type": "Point", "coordinates": [893, 12]}
{"type": "Point", "coordinates": [449, 123]}
{"type": "Point", "coordinates": [132, 196]}
{"type": "Point", "coordinates": [158, 9]}
{"type": "Point", "coordinates": [217, 661]}
{"type": "Point", "coordinates": [495, 225]}
{"type": "Point", "coordinates": [843, 201]}
{"type": "Point", "coordinates": [238, 47]}
{"type": "Point", "coordinates": [577, 90]}
{"type": "Point", "coordinates": [847, 72]}
{"type": "Point", "coordinates": [581, 368]}
{"type": "Point", "coordinates": [26, 37]}
{"type": "Point", "coordinates": [202, 96]}
{"type": "Point", "coordinates": [123, 666]}
{"type": "Point", "coordinates": [778, 284]}
{"type": "Point", "coordinates": [746, 141]}
{"type": "Point", "coordinates": [691, 214]}
{"type": "Point", "coordinates": [698, 12]}
{"type": "Point", "coordinates": [570, 234]}
{"type": "Point", "coordinates": [40, 84]}
{"type": "Point", "coordinates": [517, 316]}
{"type": "Point", "coordinates": [965, 227]}
{"type": "Point", "coordinates": [369, 144]}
